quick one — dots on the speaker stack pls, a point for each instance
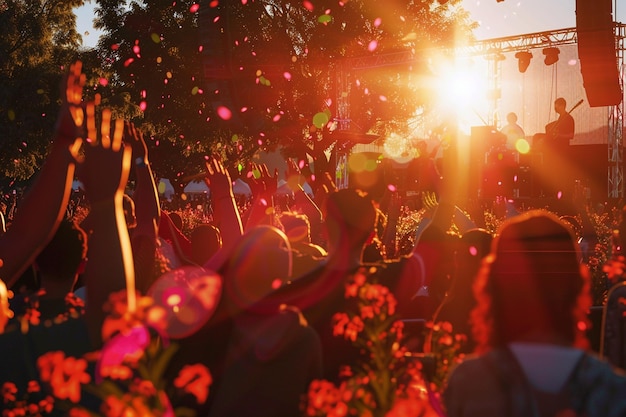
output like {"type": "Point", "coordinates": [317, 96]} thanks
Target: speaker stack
{"type": "Point", "coordinates": [597, 52]}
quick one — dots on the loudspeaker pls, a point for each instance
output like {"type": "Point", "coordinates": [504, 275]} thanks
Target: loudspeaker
{"type": "Point", "coordinates": [596, 50]}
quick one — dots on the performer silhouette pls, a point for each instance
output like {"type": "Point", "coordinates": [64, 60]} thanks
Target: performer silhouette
{"type": "Point", "coordinates": [557, 154]}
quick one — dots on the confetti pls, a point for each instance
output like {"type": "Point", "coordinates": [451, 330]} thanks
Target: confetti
{"type": "Point", "coordinates": [372, 46]}
{"type": "Point", "coordinates": [194, 7]}
{"type": "Point", "coordinates": [224, 112]}
{"type": "Point", "coordinates": [308, 5]}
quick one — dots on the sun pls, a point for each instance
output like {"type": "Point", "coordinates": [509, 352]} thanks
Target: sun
{"type": "Point", "coordinates": [461, 87]}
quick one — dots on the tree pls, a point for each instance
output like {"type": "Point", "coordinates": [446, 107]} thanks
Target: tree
{"type": "Point", "coordinates": [36, 39]}
{"type": "Point", "coordinates": [233, 77]}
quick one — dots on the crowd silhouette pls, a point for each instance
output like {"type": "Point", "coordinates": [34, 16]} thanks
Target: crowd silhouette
{"type": "Point", "coordinates": [264, 322]}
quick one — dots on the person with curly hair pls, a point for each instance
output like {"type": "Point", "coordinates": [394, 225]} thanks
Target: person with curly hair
{"type": "Point", "coordinates": [529, 326]}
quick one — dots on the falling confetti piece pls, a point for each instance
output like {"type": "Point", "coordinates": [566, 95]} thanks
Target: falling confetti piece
{"type": "Point", "coordinates": [115, 46]}
{"type": "Point", "coordinates": [559, 195]}
{"type": "Point", "coordinates": [214, 3]}
{"type": "Point", "coordinates": [308, 5]}
{"type": "Point", "coordinates": [143, 105]}
{"type": "Point", "coordinates": [155, 38]}
{"type": "Point", "coordinates": [103, 81]}
{"type": "Point", "coordinates": [473, 251]}
{"type": "Point", "coordinates": [382, 98]}
{"type": "Point", "coordinates": [372, 46]}
{"type": "Point", "coordinates": [324, 19]}
{"type": "Point", "coordinates": [129, 61]}
{"type": "Point", "coordinates": [392, 188]}
{"type": "Point", "coordinates": [194, 7]}
{"type": "Point", "coordinates": [377, 22]}
{"type": "Point", "coordinates": [276, 118]}
{"type": "Point", "coordinates": [194, 91]}
{"type": "Point", "coordinates": [287, 76]}
{"type": "Point", "coordinates": [320, 119]}
{"type": "Point", "coordinates": [224, 112]}
{"type": "Point", "coordinates": [11, 115]}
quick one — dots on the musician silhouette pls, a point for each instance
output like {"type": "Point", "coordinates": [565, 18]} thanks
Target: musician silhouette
{"type": "Point", "coordinates": [556, 153]}
{"type": "Point", "coordinates": [561, 131]}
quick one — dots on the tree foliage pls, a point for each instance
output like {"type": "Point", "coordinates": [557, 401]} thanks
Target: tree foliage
{"type": "Point", "coordinates": [37, 38]}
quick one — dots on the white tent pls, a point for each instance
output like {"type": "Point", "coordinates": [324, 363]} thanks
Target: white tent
{"type": "Point", "coordinates": [283, 188]}
{"type": "Point", "coordinates": [165, 187]}
{"type": "Point", "coordinates": [77, 185]}
{"type": "Point", "coordinates": [241, 188]}
{"type": "Point", "coordinates": [196, 187]}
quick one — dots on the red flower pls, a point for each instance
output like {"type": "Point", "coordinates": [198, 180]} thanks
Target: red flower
{"type": "Point", "coordinates": [65, 375]}
{"type": "Point", "coordinates": [8, 392]}
{"type": "Point", "coordinates": [195, 379]}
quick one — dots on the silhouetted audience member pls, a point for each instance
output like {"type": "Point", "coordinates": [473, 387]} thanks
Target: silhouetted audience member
{"type": "Point", "coordinates": [533, 295]}
{"type": "Point", "coordinates": [459, 300]}
{"type": "Point", "coordinates": [57, 268]}
{"type": "Point", "coordinates": [206, 240]}
{"type": "Point", "coordinates": [306, 255]}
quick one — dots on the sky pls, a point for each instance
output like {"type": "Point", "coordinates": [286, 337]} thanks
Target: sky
{"type": "Point", "coordinates": [496, 19]}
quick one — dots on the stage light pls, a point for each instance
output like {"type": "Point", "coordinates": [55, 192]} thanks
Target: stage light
{"type": "Point", "coordinates": [552, 55]}
{"type": "Point", "coordinates": [524, 58]}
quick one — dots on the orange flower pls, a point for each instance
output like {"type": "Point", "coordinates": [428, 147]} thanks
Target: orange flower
{"type": "Point", "coordinates": [8, 392]}
{"type": "Point", "coordinates": [340, 320]}
{"type": "Point", "coordinates": [113, 407]}
{"type": "Point", "coordinates": [33, 386]}
{"type": "Point", "coordinates": [354, 328]}
{"type": "Point", "coordinates": [121, 372]}
{"type": "Point", "coordinates": [195, 379]}
{"type": "Point", "coordinates": [79, 412]}
{"type": "Point", "coordinates": [65, 375]}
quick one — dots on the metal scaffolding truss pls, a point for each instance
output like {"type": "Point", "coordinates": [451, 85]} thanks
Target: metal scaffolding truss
{"type": "Point", "coordinates": [495, 48]}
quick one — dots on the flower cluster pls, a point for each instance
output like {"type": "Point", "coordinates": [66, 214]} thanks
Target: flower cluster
{"type": "Point", "coordinates": [33, 403]}
{"type": "Point", "coordinates": [127, 374]}
{"type": "Point", "coordinates": [388, 381]}
{"type": "Point", "coordinates": [443, 346]}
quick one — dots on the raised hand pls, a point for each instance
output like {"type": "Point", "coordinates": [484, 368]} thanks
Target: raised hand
{"type": "Point", "coordinates": [218, 179]}
{"type": "Point", "coordinates": [69, 126]}
{"type": "Point", "coordinates": [295, 179]}
{"type": "Point", "coordinates": [107, 159]}
{"type": "Point", "coordinates": [134, 138]}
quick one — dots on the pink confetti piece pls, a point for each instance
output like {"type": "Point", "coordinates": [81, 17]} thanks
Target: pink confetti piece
{"type": "Point", "coordinates": [129, 61]}
{"type": "Point", "coordinates": [392, 188]}
{"type": "Point", "coordinates": [143, 105]}
{"type": "Point", "coordinates": [473, 251]}
{"type": "Point", "coordinates": [308, 5]}
{"type": "Point", "coordinates": [372, 46]}
{"type": "Point", "coordinates": [224, 112]}
{"type": "Point", "coordinates": [382, 98]}
{"type": "Point", "coordinates": [194, 7]}
{"type": "Point", "coordinates": [377, 22]}
{"type": "Point", "coordinates": [214, 3]}
{"type": "Point", "coordinates": [276, 118]}
{"type": "Point", "coordinates": [287, 76]}
{"type": "Point", "coordinates": [103, 81]}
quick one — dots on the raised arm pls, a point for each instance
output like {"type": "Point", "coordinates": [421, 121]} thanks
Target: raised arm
{"type": "Point", "coordinates": [44, 205]}
{"type": "Point", "coordinates": [147, 210]}
{"type": "Point", "coordinates": [105, 174]}
{"type": "Point", "coordinates": [146, 197]}
{"type": "Point", "coordinates": [225, 212]}
{"type": "Point", "coordinates": [263, 187]}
